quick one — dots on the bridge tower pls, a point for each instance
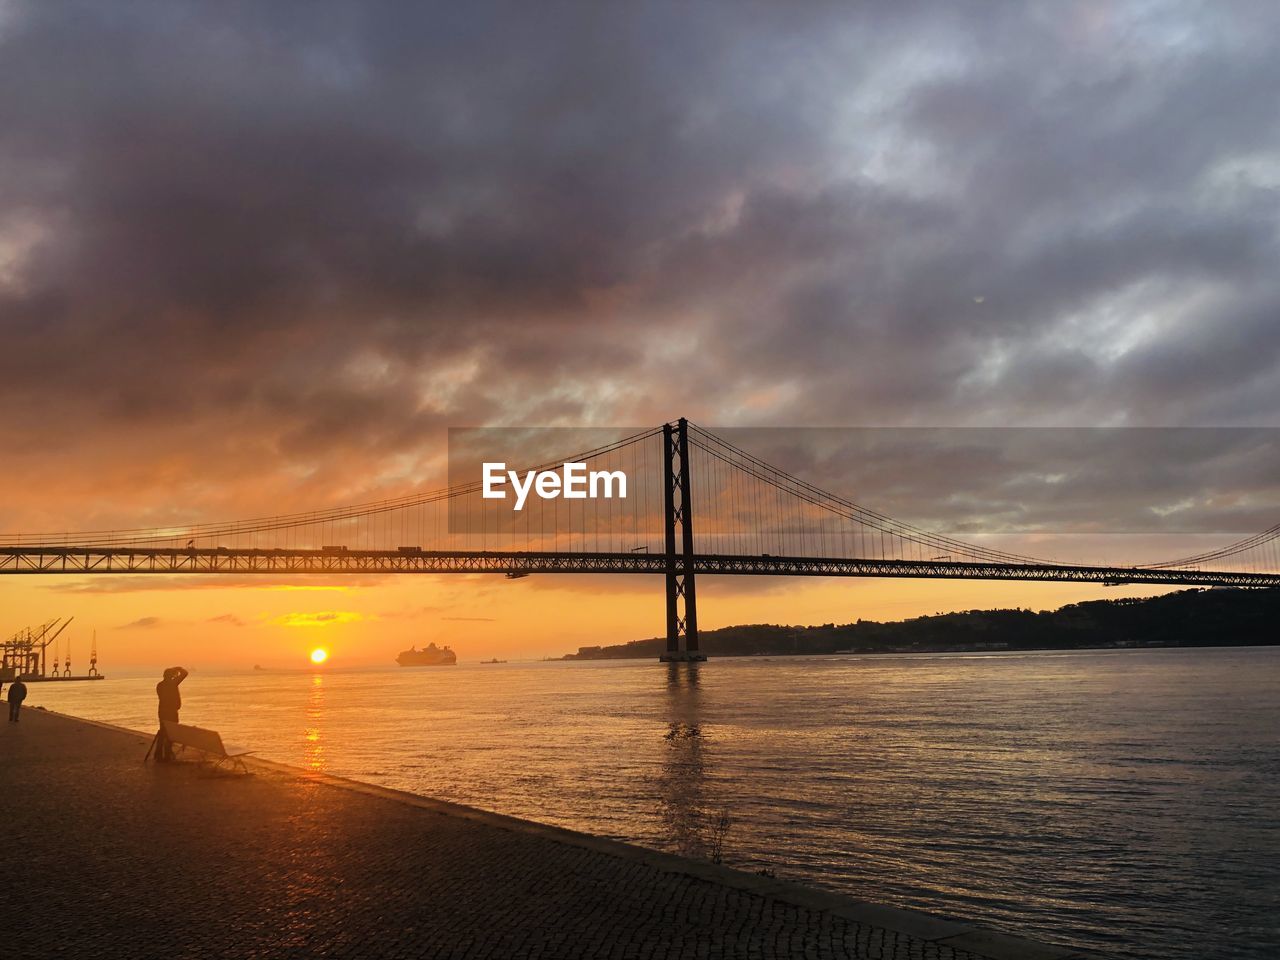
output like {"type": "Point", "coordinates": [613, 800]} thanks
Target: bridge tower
{"type": "Point", "coordinates": [682, 597]}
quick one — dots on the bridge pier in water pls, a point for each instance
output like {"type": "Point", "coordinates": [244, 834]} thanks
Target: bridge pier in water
{"type": "Point", "coordinates": [682, 595]}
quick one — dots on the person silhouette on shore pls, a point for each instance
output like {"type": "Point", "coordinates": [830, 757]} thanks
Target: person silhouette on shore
{"type": "Point", "coordinates": [170, 702]}
{"type": "Point", "coordinates": [17, 693]}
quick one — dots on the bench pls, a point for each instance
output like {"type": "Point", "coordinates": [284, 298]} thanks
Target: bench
{"type": "Point", "coordinates": [207, 742]}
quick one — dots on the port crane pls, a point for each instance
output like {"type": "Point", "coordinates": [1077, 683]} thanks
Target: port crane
{"type": "Point", "coordinates": [23, 654]}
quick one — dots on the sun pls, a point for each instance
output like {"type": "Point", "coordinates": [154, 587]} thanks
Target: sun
{"type": "Point", "coordinates": [319, 655]}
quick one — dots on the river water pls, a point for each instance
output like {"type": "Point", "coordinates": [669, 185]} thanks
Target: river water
{"type": "Point", "coordinates": [1125, 801]}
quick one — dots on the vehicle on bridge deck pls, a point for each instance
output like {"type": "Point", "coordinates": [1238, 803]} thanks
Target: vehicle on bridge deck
{"type": "Point", "coordinates": [428, 656]}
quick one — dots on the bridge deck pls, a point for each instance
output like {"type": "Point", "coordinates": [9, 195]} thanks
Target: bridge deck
{"type": "Point", "coordinates": [170, 560]}
{"type": "Point", "coordinates": [108, 857]}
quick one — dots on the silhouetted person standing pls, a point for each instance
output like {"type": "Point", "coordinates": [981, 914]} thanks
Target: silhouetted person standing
{"type": "Point", "coordinates": [17, 693]}
{"type": "Point", "coordinates": [170, 703]}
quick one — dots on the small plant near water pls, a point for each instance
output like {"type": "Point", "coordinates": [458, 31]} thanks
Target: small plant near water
{"type": "Point", "coordinates": [717, 833]}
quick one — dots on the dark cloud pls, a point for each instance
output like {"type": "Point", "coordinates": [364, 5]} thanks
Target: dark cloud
{"type": "Point", "coordinates": [257, 257]}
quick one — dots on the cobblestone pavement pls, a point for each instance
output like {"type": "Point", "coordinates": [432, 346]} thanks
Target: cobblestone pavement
{"type": "Point", "coordinates": [106, 857]}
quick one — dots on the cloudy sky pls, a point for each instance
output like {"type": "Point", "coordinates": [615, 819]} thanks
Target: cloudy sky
{"type": "Point", "coordinates": [259, 257]}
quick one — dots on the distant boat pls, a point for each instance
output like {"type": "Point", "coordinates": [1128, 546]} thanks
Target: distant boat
{"type": "Point", "coordinates": [494, 660]}
{"type": "Point", "coordinates": [428, 656]}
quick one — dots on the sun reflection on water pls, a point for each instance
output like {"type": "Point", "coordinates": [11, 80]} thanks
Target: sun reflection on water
{"type": "Point", "coordinates": [693, 823]}
{"type": "Point", "coordinates": [313, 735]}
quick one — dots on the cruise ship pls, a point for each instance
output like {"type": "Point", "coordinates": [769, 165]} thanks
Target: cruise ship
{"type": "Point", "coordinates": [428, 656]}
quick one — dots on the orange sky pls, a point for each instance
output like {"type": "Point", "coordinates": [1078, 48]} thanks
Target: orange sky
{"type": "Point", "coordinates": [235, 621]}
{"type": "Point", "coordinates": [222, 622]}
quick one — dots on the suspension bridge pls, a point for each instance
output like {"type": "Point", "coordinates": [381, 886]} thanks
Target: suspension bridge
{"type": "Point", "coordinates": [752, 519]}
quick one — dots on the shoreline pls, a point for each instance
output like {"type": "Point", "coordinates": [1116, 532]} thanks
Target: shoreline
{"type": "Point", "coordinates": [1182, 618]}
{"type": "Point", "coordinates": [950, 935]}
{"type": "Point", "coordinates": [984, 651]}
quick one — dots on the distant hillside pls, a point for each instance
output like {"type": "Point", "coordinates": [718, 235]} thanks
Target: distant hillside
{"type": "Point", "coordinates": [1189, 618]}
